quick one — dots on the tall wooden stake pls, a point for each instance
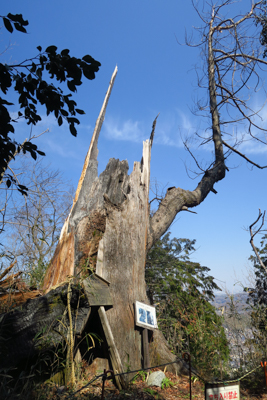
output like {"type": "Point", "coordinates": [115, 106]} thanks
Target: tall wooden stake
{"type": "Point", "coordinates": [145, 348]}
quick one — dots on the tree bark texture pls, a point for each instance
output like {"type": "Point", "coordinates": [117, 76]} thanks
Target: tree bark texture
{"type": "Point", "coordinates": [109, 224]}
{"type": "Point", "coordinates": [108, 232]}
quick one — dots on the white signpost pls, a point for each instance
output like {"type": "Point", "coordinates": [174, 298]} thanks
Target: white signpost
{"type": "Point", "coordinates": [222, 391]}
{"type": "Point", "coordinates": [145, 317]}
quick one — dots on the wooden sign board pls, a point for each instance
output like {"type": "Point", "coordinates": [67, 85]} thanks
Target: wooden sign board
{"type": "Point", "coordinates": [222, 391]}
{"type": "Point", "coordinates": [145, 316]}
{"type": "Point", "coordinates": [97, 291]}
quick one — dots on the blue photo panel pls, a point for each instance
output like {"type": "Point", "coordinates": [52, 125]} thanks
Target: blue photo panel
{"type": "Point", "coordinates": [150, 319]}
{"type": "Point", "coordinates": [142, 313]}
{"type": "Point", "coordinates": [145, 315]}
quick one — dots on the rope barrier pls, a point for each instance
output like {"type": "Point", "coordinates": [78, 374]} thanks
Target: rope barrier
{"type": "Point", "coordinates": [193, 372]}
{"type": "Point", "coordinates": [238, 379]}
{"type": "Point", "coordinates": [122, 373]}
{"type": "Point", "coordinates": [89, 383]}
{"type": "Point", "coordinates": [145, 369]}
{"type": "Point", "coordinates": [163, 365]}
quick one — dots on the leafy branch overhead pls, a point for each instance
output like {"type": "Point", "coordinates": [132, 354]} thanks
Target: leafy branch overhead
{"type": "Point", "coordinates": [15, 20]}
{"type": "Point", "coordinates": [28, 80]}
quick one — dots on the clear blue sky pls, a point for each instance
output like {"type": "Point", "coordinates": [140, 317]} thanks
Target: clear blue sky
{"type": "Point", "coordinates": [155, 74]}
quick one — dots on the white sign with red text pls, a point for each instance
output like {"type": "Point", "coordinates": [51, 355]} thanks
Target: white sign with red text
{"type": "Point", "coordinates": [222, 392]}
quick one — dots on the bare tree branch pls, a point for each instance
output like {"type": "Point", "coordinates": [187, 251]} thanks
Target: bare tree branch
{"type": "Point", "coordinates": [243, 156]}
{"type": "Point", "coordinates": [33, 222]}
{"type": "Point", "coordinates": [232, 61]}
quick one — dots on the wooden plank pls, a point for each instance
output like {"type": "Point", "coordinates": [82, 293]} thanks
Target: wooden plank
{"type": "Point", "coordinates": [101, 277]}
{"type": "Point", "coordinates": [114, 354]}
{"type": "Point", "coordinates": [145, 348]}
{"type": "Point", "coordinates": [97, 291]}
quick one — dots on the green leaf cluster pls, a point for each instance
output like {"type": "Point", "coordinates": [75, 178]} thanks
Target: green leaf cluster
{"type": "Point", "coordinates": [29, 81]}
{"type": "Point", "coordinates": [182, 291]}
{"type": "Point", "coordinates": [166, 383]}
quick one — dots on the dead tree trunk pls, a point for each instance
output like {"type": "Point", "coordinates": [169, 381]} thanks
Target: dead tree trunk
{"type": "Point", "coordinates": [109, 230]}
{"type": "Point", "coordinates": [106, 233]}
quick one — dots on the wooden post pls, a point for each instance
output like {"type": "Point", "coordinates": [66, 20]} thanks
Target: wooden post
{"type": "Point", "coordinates": [145, 348]}
{"type": "Point", "coordinates": [114, 354]}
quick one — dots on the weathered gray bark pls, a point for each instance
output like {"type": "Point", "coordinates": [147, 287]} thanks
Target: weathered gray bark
{"type": "Point", "coordinates": [109, 224]}
{"type": "Point", "coordinates": [109, 231]}
{"type": "Point", "coordinates": [106, 232]}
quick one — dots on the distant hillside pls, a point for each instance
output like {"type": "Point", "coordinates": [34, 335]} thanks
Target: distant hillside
{"type": "Point", "coordinates": [223, 300]}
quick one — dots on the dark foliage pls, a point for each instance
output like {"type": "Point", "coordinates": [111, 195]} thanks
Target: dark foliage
{"type": "Point", "coordinates": [28, 80]}
{"type": "Point", "coordinates": [182, 291]}
{"type": "Point", "coordinates": [168, 267]}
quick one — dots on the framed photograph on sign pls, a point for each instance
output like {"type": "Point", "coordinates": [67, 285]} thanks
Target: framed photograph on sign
{"type": "Point", "coordinates": [145, 316]}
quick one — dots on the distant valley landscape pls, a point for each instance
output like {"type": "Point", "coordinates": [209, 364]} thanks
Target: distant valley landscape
{"type": "Point", "coordinates": [223, 300]}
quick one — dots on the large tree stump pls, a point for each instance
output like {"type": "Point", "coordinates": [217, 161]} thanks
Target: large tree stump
{"type": "Point", "coordinates": [107, 232]}
{"type": "Point", "coordinates": [109, 223]}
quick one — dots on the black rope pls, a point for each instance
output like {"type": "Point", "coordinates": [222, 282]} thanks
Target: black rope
{"type": "Point", "coordinates": [192, 372]}
{"type": "Point", "coordinates": [144, 369]}
{"type": "Point", "coordinates": [89, 383]}
{"type": "Point", "coordinates": [122, 373]}
{"type": "Point", "coordinates": [156, 366]}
